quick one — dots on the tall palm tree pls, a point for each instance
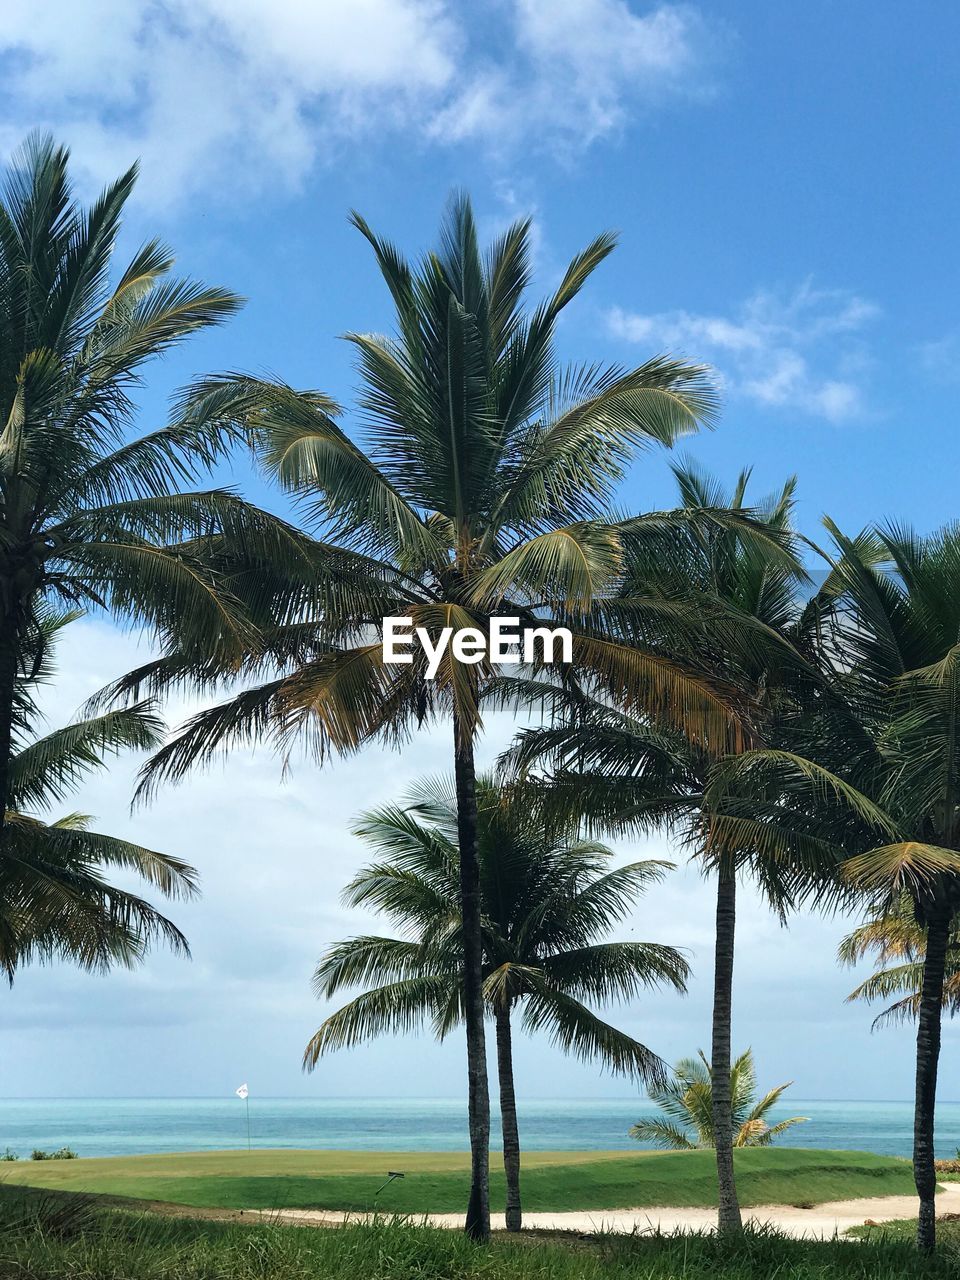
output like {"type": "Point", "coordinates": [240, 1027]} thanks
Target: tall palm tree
{"type": "Point", "coordinates": [686, 1101]}
{"type": "Point", "coordinates": [55, 900]}
{"type": "Point", "coordinates": [479, 488]}
{"type": "Point", "coordinates": [899, 944]}
{"type": "Point", "coordinates": [89, 515]}
{"type": "Point", "coordinates": [872, 784]}
{"type": "Point", "coordinates": [547, 905]}
{"type": "Point", "coordinates": [629, 772]}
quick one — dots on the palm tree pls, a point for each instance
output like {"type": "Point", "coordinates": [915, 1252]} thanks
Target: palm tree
{"type": "Point", "coordinates": [629, 772]}
{"type": "Point", "coordinates": [899, 944]}
{"type": "Point", "coordinates": [479, 489]}
{"type": "Point", "coordinates": [55, 902]}
{"type": "Point", "coordinates": [687, 1103]}
{"type": "Point", "coordinates": [872, 784]}
{"type": "Point", "coordinates": [90, 516]}
{"type": "Point", "coordinates": [547, 905]}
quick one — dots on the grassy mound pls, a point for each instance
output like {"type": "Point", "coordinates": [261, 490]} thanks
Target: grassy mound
{"type": "Point", "coordinates": [438, 1182]}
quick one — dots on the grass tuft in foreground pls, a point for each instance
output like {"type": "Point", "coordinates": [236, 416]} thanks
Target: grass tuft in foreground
{"type": "Point", "coordinates": [122, 1246]}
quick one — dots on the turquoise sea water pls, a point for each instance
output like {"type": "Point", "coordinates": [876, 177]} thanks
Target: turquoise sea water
{"type": "Point", "coordinates": [126, 1126]}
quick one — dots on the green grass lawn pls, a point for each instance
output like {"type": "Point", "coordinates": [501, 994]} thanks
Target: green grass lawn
{"type": "Point", "coordinates": [438, 1182]}
{"type": "Point", "coordinates": [46, 1242]}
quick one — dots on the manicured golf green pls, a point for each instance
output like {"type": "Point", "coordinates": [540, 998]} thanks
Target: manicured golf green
{"type": "Point", "coordinates": [437, 1182]}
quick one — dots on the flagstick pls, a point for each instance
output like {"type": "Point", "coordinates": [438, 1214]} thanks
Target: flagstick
{"type": "Point", "coordinates": [244, 1093]}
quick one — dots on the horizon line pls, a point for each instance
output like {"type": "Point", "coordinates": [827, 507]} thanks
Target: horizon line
{"type": "Point", "coordinates": [382, 1097]}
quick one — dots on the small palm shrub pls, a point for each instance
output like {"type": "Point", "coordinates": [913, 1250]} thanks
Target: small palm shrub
{"type": "Point", "coordinates": [687, 1107]}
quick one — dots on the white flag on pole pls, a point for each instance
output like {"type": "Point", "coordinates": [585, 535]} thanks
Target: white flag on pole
{"type": "Point", "coordinates": [243, 1092]}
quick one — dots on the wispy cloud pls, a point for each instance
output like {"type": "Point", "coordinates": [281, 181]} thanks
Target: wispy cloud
{"type": "Point", "coordinates": [940, 359]}
{"type": "Point", "coordinates": [576, 70]}
{"type": "Point", "coordinates": [260, 91]}
{"type": "Point", "coordinates": [803, 351]}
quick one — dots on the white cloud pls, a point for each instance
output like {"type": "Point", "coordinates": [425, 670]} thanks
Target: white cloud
{"type": "Point", "coordinates": [240, 89]}
{"type": "Point", "coordinates": [576, 70]}
{"type": "Point", "coordinates": [803, 351]}
{"type": "Point", "coordinates": [255, 91]}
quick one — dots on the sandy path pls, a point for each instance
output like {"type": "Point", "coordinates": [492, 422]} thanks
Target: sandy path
{"type": "Point", "coordinates": [825, 1220]}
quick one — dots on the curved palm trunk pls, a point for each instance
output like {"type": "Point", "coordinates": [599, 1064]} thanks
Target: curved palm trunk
{"type": "Point", "coordinates": [928, 1055]}
{"type": "Point", "coordinates": [478, 1208]}
{"type": "Point", "coordinates": [508, 1118]}
{"type": "Point", "coordinates": [728, 1219]}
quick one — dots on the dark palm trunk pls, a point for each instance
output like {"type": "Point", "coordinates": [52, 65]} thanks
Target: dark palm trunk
{"type": "Point", "coordinates": [928, 1054]}
{"type": "Point", "coordinates": [729, 1219]}
{"type": "Point", "coordinates": [508, 1118]}
{"type": "Point", "coordinates": [478, 1209]}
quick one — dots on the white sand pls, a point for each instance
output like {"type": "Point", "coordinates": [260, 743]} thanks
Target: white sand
{"type": "Point", "coordinates": [823, 1221]}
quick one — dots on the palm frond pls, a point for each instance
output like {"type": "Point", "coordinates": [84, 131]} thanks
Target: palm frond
{"type": "Point", "coordinates": [49, 768]}
{"type": "Point", "coordinates": [392, 1009]}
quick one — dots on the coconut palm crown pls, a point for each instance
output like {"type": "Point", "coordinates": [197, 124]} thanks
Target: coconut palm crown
{"type": "Point", "coordinates": [56, 902]}
{"type": "Point", "coordinates": [898, 944]}
{"type": "Point", "coordinates": [687, 1106]}
{"type": "Point", "coordinates": [548, 904]}
{"type": "Point", "coordinates": [92, 515]}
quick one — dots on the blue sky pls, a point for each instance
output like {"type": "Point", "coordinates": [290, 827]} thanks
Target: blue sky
{"type": "Point", "coordinates": [782, 179]}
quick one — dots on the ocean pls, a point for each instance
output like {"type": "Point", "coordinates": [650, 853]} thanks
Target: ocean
{"type": "Point", "coordinates": [128, 1126]}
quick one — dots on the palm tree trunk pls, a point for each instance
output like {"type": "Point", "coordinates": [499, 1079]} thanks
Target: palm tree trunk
{"type": "Point", "coordinates": [928, 1054]}
{"type": "Point", "coordinates": [508, 1118]}
{"type": "Point", "coordinates": [478, 1208]}
{"type": "Point", "coordinates": [728, 1219]}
